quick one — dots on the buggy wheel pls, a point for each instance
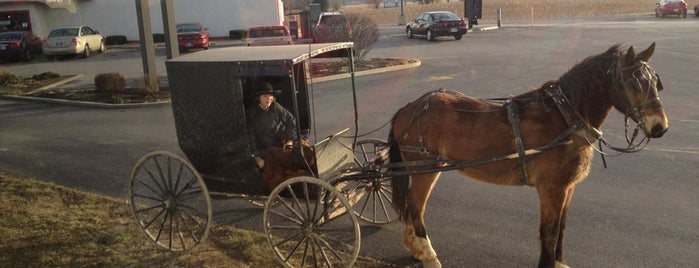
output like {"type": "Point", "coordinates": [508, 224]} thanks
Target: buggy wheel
{"type": "Point", "coordinates": [370, 198]}
{"type": "Point", "coordinates": [307, 225]}
{"type": "Point", "coordinates": [169, 201]}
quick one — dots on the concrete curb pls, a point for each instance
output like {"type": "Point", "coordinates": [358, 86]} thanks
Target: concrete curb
{"type": "Point", "coordinates": [140, 105]}
{"type": "Point", "coordinates": [59, 83]}
{"type": "Point", "coordinates": [85, 103]}
{"type": "Point", "coordinates": [368, 72]}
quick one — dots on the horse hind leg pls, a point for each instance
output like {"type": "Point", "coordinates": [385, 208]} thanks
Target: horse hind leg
{"type": "Point", "coordinates": [415, 237]}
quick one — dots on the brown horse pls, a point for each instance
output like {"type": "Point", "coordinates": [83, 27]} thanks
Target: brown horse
{"type": "Point", "coordinates": [543, 138]}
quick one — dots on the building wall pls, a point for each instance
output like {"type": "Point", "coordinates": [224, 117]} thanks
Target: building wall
{"type": "Point", "coordinates": [118, 17]}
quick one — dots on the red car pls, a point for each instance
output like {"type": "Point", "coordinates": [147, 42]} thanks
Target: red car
{"type": "Point", "coordinates": [192, 35]}
{"type": "Point", "coordinates": [671, 7]}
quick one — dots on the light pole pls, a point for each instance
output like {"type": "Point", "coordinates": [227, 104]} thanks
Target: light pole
{"type": "Point", "coordinates": [401, 18]}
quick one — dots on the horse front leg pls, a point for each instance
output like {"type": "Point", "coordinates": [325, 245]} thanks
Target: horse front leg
{"type": "Point", "coordinates": [415, 237]}
{"type": "Point", "coordinates": [553, 206]}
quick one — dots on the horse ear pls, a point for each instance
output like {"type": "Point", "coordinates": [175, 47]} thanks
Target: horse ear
{"type": "Point", "coordinates": [630, 56]}
{"type": "Point", "coordinates": [646, 54]}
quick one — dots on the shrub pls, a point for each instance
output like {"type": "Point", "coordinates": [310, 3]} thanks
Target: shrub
{"type": "Point", "coordinates": [109, 83]}
{"type": "Point", "coordinates": [8, 78]}
{"type": "Point", "coordinates": [45, 75]}
{"type": "Point", "coordinates": [365, 32]}
{"type": "Point", "coordinates": [116, 40]}
{"type": "Point", "coordinates": [237, 34]}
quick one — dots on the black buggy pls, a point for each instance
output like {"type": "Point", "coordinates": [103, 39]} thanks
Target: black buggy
{"type": "Point", "coordinates": [308, 220]}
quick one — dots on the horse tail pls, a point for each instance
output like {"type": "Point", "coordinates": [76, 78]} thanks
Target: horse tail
{"type": "Point", "coordinates": [400, 184]}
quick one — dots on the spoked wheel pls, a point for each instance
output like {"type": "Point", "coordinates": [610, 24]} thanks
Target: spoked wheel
{"type": "Point", "coordinates": [169, 201]}
{"type": "Point", "coordinates": [370, 198]}
{"type": "Point", "coordinates": [307, 225]}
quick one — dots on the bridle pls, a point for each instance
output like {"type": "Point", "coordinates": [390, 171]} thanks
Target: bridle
{"type": "Point", "coordinates": [623, 90]}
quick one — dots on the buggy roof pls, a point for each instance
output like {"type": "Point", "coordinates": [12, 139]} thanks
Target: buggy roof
{"type": "Point", "coordinates": [256, 55]}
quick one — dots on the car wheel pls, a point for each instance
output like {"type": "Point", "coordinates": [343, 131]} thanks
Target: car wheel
{"type": "Point", "coordinates": [103, 47]}
{"type": "Point", "coordinates": [696, 12]}
{"type": "Point", "coordinates": [458, 37]}
{"type": "Point", "coordinates": [657, 15]}
{"type": "Point", "coordinates": [86, 51]}
{"type": "Point", "coordinates": [429, 36]}
{"type": "Point", "coordinates": [684, 14]}
{"type": "Point", "coordinates": [50, 58]}
{"type": "Point", "coordinates": [662, 15]}
{"type": "Point", "coordinates": [409, 32]}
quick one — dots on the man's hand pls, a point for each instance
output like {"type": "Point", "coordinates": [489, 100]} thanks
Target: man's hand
{"type": "Point", "coordinates": [260, 162]}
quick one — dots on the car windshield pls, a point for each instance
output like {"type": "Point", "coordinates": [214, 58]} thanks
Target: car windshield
{"type": "Point", "coordinates": [267, 32]}
{"type": "Point", "coordinates": [333, 20]}
{"type": "Point", "coordinates": [10, 36]}
{"type": "Point", "coordinates": [183, 28]}
{"type": "Point", "coordinates": [64, 32]}
{"type": "Point", "coordinates": [445, 16]}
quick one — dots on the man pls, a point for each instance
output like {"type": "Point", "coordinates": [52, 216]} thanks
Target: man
{"type": "Point", "coordinates": [269, 123]}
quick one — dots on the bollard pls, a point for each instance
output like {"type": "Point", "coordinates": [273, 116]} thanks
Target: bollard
{"type": "Point", "coordinates": [499, 15]}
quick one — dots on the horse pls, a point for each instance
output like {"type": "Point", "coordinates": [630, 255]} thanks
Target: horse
{"type": "Point", "coordinates": [282, 163]}
{"type": "Point", "coordinates": [543, 138]}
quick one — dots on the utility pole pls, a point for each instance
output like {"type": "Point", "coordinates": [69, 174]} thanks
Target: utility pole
{"type": "Point", "coordinates": [145, 33]}
{"type": "Point", "coordinates": [170, 27]}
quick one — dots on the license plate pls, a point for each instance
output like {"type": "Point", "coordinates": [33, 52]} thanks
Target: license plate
{"type": "Point", "coordinates": [676, 10]}
{"type": "Point", "coordinates": [188, 45]}
{"type": "Point", "coordinates": [58, 44]}
{"type": "Point", "coordinates": [453, 30]}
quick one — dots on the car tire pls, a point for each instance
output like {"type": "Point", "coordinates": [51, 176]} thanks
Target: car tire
{"type": "Point", "coordinates": [684, 14]}
{"type": "Point", "coordinates": [428, 35]}
{"type": "Point", "coordinates": [458, 37]}
{"type": "Point", "coordinates": [86, 51]}
{"type": "Point", "coordinates": [50, 57]}
{"type": "Point", "coordinates": [409, 32]}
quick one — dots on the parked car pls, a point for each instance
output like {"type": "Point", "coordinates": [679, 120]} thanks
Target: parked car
{"type": "Point", "coordinates": [19, 45]}
{"type": "Point", "coordinates": [437, 23]}
{"type": "Point", "coordinates": [73, 40]}
{"type": "Point", "coordinates": [332, 27]}
{"type": "Point", "coordinates": [269, 36]}
{"type": "Point", "coordinates": [192, 35]}
{"type": "Point", "coordinates": [671, 7]}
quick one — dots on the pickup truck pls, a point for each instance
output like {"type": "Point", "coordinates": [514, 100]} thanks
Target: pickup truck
{"type": "Point", "coordinates": [269, 36]}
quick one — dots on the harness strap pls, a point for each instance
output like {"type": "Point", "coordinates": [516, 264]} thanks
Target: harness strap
{"type": "Point", "coordinates": [570, 115]}
{"type": "Point", "coordinates": [513, 118]}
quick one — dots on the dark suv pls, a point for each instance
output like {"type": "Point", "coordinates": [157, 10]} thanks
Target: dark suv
{"type": "Point", "coordinates": [332, 27]}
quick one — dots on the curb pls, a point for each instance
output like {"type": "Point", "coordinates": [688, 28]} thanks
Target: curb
{"type": "Point", "coordinates": [59, 83]}
{"type": "Point", "coordinates": [368, 72]}
{"type": "Point", "coordinates": [86, 103]}
{"type": "Point", "coordinates": [140, 105]}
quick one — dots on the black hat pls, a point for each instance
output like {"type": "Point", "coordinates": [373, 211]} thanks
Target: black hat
{"type": "Point", "coordinates": [265, 88]}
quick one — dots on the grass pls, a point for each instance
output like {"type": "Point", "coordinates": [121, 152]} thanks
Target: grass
{"type": "Point", "coordinates": [47, 225]}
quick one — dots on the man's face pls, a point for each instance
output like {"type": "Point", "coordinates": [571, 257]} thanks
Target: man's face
{"type": "Point", "coordinates": [266, 100]}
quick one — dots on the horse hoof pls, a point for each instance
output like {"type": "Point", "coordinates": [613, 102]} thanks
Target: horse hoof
{"type": "Point", "coordinates": [434, 263]}
{"type": "Point", "coordinates": [561, 265]}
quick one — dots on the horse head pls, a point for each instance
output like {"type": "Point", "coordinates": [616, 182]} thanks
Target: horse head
{"type": "Point", "coordinates": [637, 92]}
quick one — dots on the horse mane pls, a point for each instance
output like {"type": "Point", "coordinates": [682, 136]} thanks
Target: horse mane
{"type": "Point", "coordinates": [589, 82]}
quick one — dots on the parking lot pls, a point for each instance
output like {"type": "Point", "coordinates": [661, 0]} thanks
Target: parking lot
{"type": "Point", "coordinates": [641, 211]}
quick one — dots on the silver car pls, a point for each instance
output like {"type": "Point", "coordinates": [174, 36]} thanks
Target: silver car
{"type": "Point", "coordinates": [75, 40]}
